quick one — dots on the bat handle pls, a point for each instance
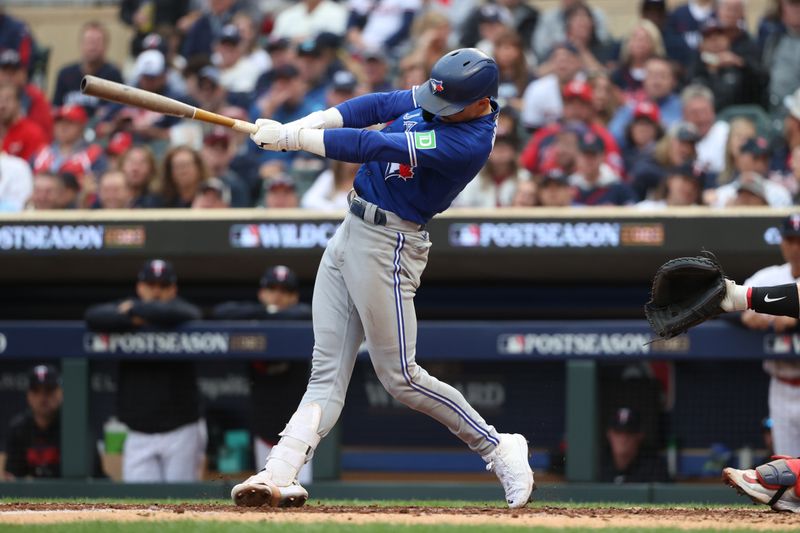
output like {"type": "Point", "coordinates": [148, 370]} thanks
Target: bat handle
{"type": "Point", "coordinates": [244, 127]}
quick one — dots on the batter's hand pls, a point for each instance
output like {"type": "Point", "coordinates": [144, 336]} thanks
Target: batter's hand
{"type": "Point", "coordinates": [276, 137]}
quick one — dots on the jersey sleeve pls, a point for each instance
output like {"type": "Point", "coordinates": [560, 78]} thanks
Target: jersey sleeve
{"type": "Point", "coordinates": [441, 149]}
{"type": "Point", "coordinates": [376, 108]}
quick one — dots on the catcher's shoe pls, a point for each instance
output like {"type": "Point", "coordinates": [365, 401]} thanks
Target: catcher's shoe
{"type": "Point", "coordinates": [259, 489]}
{"type": "Point", "coordinates": [775, 483]}
{"type": "Point", "coordinates": [509, 461]}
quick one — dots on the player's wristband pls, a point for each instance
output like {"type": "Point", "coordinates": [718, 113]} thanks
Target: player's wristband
{"type": "Point", "coordinates": [312, 141]}
{"type": "Point", "coordinates": [781, 300]}
{"type": "Point", "coordinates": [321, 120]}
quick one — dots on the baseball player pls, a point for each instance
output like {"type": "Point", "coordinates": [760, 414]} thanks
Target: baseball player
{"type": "Point", "coordinates": [438, 136]}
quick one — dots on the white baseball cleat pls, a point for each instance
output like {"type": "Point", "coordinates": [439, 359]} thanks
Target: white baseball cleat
{"type": "Point", "coordinates": [259, 489]}
{"type": "Point", "coordinates": [774, 484]}
{"type": "Point", "coordinates": [509, 461]}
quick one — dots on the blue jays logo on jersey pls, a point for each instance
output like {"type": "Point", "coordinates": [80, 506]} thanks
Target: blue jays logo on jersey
{"type": "Point", "coordinates": [398, 170]}
{"type": "Point", "coordinates": [437, 86]}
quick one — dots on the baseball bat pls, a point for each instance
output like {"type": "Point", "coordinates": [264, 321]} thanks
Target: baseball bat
{"type": "Point", "coordinates": [125, 94]}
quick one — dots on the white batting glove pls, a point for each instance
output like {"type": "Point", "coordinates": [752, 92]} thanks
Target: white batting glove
{"type": "Point", "coordinates": [276, 137]}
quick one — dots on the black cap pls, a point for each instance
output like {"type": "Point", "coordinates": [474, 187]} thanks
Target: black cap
{"type": "Point", "coordinates": [328, 40]}
{"type": "Point", "coordinates": [158, 271]}
{"type": "Point", "coordinates": [219, 187]}
{"type": "Point", "coordinates": [625, 419]}
{"type": "Point", "coordinates": [309, 47]}
{"type": "Point", "coordinates": [490, 13]}
{"type": "Point", "coordinates": [279, 276]}
{"type": "Point", "coordinates": [277, 43]}
{"type": "Point", "coordinates": [688, 170]}
{"type": "Point", "coordinates": [287, 71]}
{"type": "Point", "coordinates": [591, 143]}
{"type": "Point", "coordinates": [209, 73]}
{"type": "Point", "coordinates": [654, 4]}
{"type": "Point", "coordinates": [344, 81]}
{"type": "Point", "coordinates": [685, 131]}
{"type": "Point", "coordinates": [791, 226]}
{"type": "Point", "coordinates": [563, 45]}
{"type": "Point", "coordinates": [557, 176]}
{"type": "Point", "coordinates": [758, 146]}
{"type": "Point", "coordinates": [230, 34]}
{"type": "Point", "coordinates": [44, 376]}
{"type": "Point", "coordinates": [10, 58]}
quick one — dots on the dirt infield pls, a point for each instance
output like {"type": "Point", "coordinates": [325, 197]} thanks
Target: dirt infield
{"type": "Point", "coordinates": [545, 515]}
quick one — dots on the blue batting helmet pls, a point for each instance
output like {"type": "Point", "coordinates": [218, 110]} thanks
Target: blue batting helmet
{"type": "Point", "coordinates": [458, 79]}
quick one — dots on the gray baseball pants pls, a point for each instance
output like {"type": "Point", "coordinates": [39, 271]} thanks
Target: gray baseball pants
{"type": "Point", "coordinates": [365, 286]}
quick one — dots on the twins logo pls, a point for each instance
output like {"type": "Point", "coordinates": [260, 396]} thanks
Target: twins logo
{"type": "Point", "coordinates": [436, 86]}
{"type": "Point", "coordinates": [398, 170]}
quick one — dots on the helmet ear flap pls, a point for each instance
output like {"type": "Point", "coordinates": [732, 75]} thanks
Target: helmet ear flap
{"type": "Point", "coordinates": [427, 116]}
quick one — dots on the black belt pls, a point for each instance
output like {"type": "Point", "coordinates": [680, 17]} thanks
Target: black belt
{"type": "Point", "coordinates": [359, 209]}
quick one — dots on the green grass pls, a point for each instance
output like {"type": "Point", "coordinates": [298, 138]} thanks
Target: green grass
{"type": "Point", "coordinates": [273, 527]}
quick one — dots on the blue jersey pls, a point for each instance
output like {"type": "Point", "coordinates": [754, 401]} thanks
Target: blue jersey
{"type": "Point", "coordinates": [413, 167]}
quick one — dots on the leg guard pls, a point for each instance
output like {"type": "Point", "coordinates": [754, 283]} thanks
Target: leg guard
{"type": "Point", "coordinates": [297, 444]}
{"type": "Point", "coordinates": [778, 476]}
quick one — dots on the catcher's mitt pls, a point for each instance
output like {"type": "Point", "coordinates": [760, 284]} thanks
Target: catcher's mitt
{"type": "Point", "coordinates": [686, 291]}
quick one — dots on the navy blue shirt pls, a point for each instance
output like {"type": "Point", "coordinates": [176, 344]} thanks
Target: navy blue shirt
{"type": "Point", "coordinates": [68, 86]}
{"type": "Point", "coordinates": [413, 167]}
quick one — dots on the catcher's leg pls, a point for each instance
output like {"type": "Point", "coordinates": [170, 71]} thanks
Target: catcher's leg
{"type": "Point", "coordinates": [776, 483]}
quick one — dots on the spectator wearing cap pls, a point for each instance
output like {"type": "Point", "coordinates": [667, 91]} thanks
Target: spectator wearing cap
{"type": "Point", "coordinates": [550, 28]}
{"type": "Point", "coordinates": [785, 144]}
{"type": "Point", "coordinates": [218, 152]}
{"type": "Point", "coordinates": [213, 194]}
{"type": "Point", "coordinates": [146, 16]}
{"type": "Point", "coordinates": [492, 21]}
{"type": "Point", "coordinates": [595, 182]}
{"type": "Point", "coordinates": [281, 53]}
{"type": "Point", "coordinates": [685, 22]}
{"type": "Point", "coordinates": [157, 400]}
{"type": "Point", "coordinates": [430, 38]}
{"type": "Point", "coordinates": [33, 447]}
{"type": "Point", "coordinates": [69, 152]}
{"type": "Point", "coordinates": [682, 186]}
{"type": "Point", "coordinates": [113, 191]}
{"type": "Point", "coordinates": [518, 16]}
{"type": "Point", "coordinates": [343, 87]}
{"type": "Point", "coordinates": [731, 16]}
{"type": "Point", "coordinates": [71, 197]}
{"type": "Point", "coordinates": [554, 190]}
{"type": "Point", "coordinates": [19, 136]}
{"type": "Point", "coordinates": [784, 386]}
{"type": "Point", "coordinates": [732, 79]}
{"type": "Point", "coordinates": [117, 145]}
{"type": "Point", "coordinates": [749, 190]}
{"type": "Point", "coordinates": [146, 126]}
{"type": "Point", "coordinates": [642, 133]}
{"type": "Point", "coordinates": [280, 192]}
{"type": "Point", "coordinates": [752, 160]}
{"type": "Point", "coordinates": [380, 24]}
{"type": "Point", "coordinates": [628, 460]}
{"type": "Point", "coordinates": [644, 42]}
{"type": "Point", "coordinates": [314, 64]}
{"type": "Point", "coordinates": [781, 57]}
{"type": "Point", "coordinates": [15, 35]}
{"type": "Point", "coordinates": [183, 172]}
{"type": "Point", "coordinates": [675, 149]}
{"type": "Point", "coordinates": [541, 102]}
{"type": "Point", "coordinates": [237, 74]}
{"type": "Point", "coordinates": [655, 11]}
{"type": "Point", "coordinates": [93, 45]}
{"type": "Point", "coordinates": [376, 72]}
{"type": "Point", "coordinates": [273, 383]}
{"type": "Point", "coordinates": [578, 112]}
{"type": "Point", "coordinates": [659, 88]}
{"type": "Point", "coordinates": [206, 28]}
{"type": "Point", "coordinates": [698, 109]}
{"type": "Point", "coordinates": [308, 18]}
{"type": "Point", "coordinates": [139, 165]}
{"type": "Point", "coordinates": [497, 181]}
{"type": "Point", "coordinates": [35, 105]}
{"type": "Point", "coordinates": [331, 188]}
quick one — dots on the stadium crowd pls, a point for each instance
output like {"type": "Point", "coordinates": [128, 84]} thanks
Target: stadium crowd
{"type": "Point", "coordinates": [688, 108]}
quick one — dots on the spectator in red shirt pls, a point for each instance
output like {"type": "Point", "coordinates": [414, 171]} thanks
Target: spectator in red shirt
{"type": "Point", "coordinates": [35, 105]}
{"type": "Point", "coordinates": [69, 152]}
{"type": "Point", "coordinates": [540, 155]}
{"type": "Point", "coordinates": [20, 136]}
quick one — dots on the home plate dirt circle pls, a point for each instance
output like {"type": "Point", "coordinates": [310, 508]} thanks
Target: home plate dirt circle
{"type": "Point", "coordinates": [717, 518]}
